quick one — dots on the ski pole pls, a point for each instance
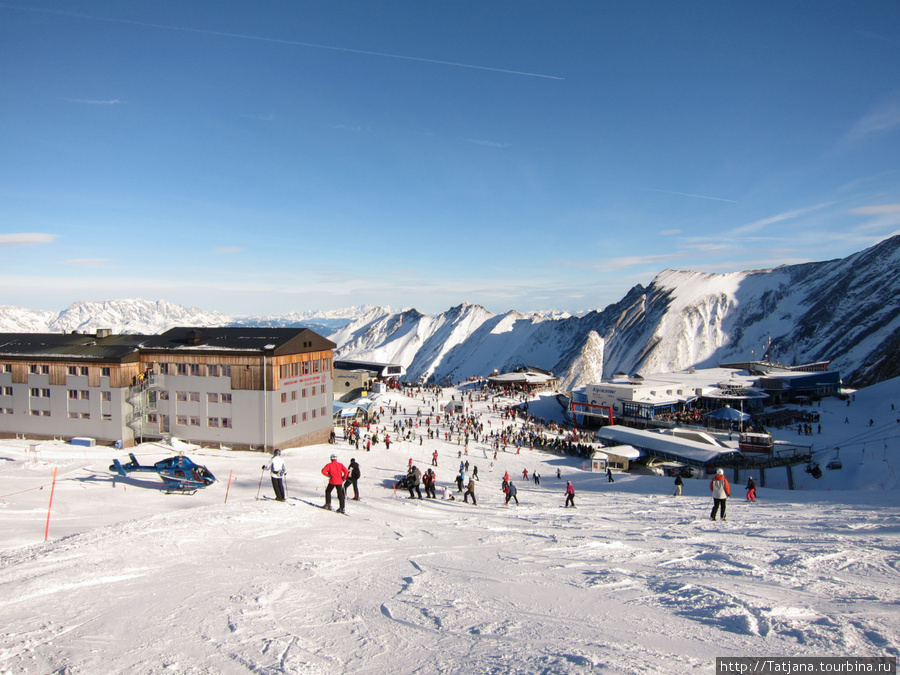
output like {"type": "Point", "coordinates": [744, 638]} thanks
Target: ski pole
{"type": "Point", "coordinates": [259, 487]}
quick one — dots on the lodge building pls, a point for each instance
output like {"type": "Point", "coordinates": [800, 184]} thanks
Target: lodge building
{"type": "Point", "coordinates": [240, 388]}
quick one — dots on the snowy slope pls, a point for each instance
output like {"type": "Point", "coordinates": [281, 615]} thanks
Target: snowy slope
{"type": "Point", "coordinates": [631, 581]}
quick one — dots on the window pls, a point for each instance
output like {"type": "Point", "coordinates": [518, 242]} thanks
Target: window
{"type": "Point", "coordinates": [306, 367]}
{"type": "Point", "coordinates": [181, 420]}
{"type": "Point", "coordinates": [314, 413]}
{"type": "Point", "coordinates": [323, 389]}
{"type": "Point", "coordinates": [283, 422]}
{"type": "Point", "coordinates": [317, 365]}
{"type": "Point", "coordinates": [181, 396]}
{"type": "Point", "coordinates": [163, 368]}
{"type": "Point", "coordinates": [323, 412]}
{"type": "Point", "coordinates": [85, 370]}
{"type": "Point", "coordinates": [73, 370]}
{"type": "Point", "coordinates": [305, 416]}
{"type": "Point", "coordinates": [73, 395]}
{"type": "Point", "coordinates": [212, 421]}
{"type": "Point", "coordinates": [73, 415]}
{"type": "Point", "coordinates": [226, 422]}
{"type": "Point", "coordinates": [164, 395]}
{"type": "Point", "coordinates": [293, 419]}
{"type": "Point", "coordinates": [303, 392]}
{"type": "Point", "coordinates": [212, 398]}
{"type": "Point", "coordinates": [195, 369]}
{"type": "Point", "coordinates": [284, 397]}
{"type": "Point", "coordinates": [226, 371]}
{"type": "Point", "coordinates": [7, 391]}
{"type": "Point", "coordinates": [152, 418]}
{"type": "Point", "coordinates": [212, 371]}
{"type": "Point", "coordinates": [84, 395]}
{"type": "Point", "coordinates": [195, 421]}
{"type": "Point", "coordinates": [326, 365]}
{"type": "Point", "coordinates": [105, 371]}
{"type": "Point", "coordinates": [33, 369]}
{"type": "Point", "coordinates": [195, 396]}
{"type": "Point", "coordinates": [7, 367]}
{"type": "Point", "coordinates": [6, 411]}
{"type": "Point", "coordinates": [294, 395]}
{"type": "Point", "coordinates": [45, 393]}
{"type": "Point", "coordinates": [226, 398]}
{"type": "Point", "coordinates": [106, 396]}
{"type": "Point", "coordinates": [106, 417]}
{"type": "Point", "coordinates": [181, 369]}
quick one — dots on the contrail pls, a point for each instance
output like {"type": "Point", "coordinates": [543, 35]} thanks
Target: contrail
{"type": "Point", "coordinates": [688, 194]}
{"type": "Point", "coordinates": [294, 43]}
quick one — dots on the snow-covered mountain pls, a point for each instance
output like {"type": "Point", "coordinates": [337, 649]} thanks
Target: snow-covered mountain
{"type": "Point", "coordinates": [846, 311]}
{"type": "Point", "coordinates": [842, 310]}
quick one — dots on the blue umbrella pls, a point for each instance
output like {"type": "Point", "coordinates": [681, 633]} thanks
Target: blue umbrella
{"type": "Point", "coordinates": [728, 414]}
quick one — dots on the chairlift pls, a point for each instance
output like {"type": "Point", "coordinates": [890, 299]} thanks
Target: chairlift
{"type": "Point", "coordinates": [835, 462]}
{"type": "Point", "coordinates": [813, 470]}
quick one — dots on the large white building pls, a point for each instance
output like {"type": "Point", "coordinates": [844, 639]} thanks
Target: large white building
{"type": "Point", "coordinates": [243, 388]}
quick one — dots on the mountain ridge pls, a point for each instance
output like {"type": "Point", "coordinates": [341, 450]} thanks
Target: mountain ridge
{"type": "Point", "coordinates": [841, 310]}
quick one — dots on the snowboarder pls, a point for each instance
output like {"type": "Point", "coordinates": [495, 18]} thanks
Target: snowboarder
{"type": "Point", "coordinates": [277, 470]}
{"type": "Point", "coordinates": [751, 489]}
{"type": "Point", "coordinates": [570, 494]}
{"type": "Point", "coordinates": [337, 473]}
{"type": "Point", "coordinates": [354, 476]}
{"type": "Point", "coordinates": [678, 483]}
{"type": "Point", "coordinates": [721, 491]}
{"type": "Point", "coordinates": [470, 490]}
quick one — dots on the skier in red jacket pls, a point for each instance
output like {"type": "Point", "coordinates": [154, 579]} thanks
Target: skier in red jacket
{"type": "Point", "coordinates": [337, 473]}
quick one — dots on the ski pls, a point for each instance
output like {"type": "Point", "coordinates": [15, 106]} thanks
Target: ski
{"type": "Point", "coordinates": [318, 506]}
{"type": "Point", "coordinates": [272, 499]}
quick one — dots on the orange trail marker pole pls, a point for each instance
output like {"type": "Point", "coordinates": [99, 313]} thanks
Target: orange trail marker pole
{"type": "Point", "coordinates": [50, 505]}
{"type": "Point", "coordinates": [228, 487]}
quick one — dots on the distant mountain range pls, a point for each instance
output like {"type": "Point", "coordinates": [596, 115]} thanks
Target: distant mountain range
{"type": "Point", "coordinates": [846, 311]}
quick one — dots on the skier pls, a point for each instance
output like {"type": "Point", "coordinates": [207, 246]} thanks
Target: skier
{"type": "Point", "coordinates": [678, 483]}
{"type": "Point", "coordinates": [428, 479]}
{"type": "Point", "coordinates": [277, 470]}
{"type": "Point", "coordinates": [354, 476]}
{"type": "Point", "coordinates": [414, 479]}
{"type": "Point", "coordinates": [751, 489]}
{"type": "Point", "coordinates": [570, 494]}
{"type": "Point", "coordinates": [511, 493]}
{"type": "Point", "coordinates": [337, 473]}
{"type": "Point", "coordinates": [609, 478]}
{"type": "Point", "coordinates": [721, 491]}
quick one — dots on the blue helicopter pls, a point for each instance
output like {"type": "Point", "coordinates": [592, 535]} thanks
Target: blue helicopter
{"type": "Point", "coordinates": [179, 474]}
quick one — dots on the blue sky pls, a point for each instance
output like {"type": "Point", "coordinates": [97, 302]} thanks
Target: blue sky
{"type": "Point", "coordinates": [258, 158]}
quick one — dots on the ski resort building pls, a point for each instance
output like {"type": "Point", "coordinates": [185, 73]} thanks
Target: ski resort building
{"type": "Point", "coordinates": [241, 388]}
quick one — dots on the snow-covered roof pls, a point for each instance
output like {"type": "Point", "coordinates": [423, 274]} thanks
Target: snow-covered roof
{"type": "Point", "coordinates": [626, 451]}
{"type": "Point", "coordinates": [661, 445]}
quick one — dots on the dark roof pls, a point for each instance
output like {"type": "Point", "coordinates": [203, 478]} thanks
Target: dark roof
{"type": "Point", "coordinates": [239, 339]}
{"type": "Point", "coordinates": [71, 346]}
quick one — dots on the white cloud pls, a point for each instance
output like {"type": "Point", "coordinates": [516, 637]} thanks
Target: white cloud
{"type": "Point", "coordinates": [26, 239]}
{"type": "Point", "coordinates": [228, 250]}
{"type": "Point", "coordinates": [89, 262]}
{"type": "Point", "coordinates": [884, 118]}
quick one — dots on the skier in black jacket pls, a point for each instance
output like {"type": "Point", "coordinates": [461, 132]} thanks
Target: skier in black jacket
{"type": "Point", "coordinates": [353, 469]}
